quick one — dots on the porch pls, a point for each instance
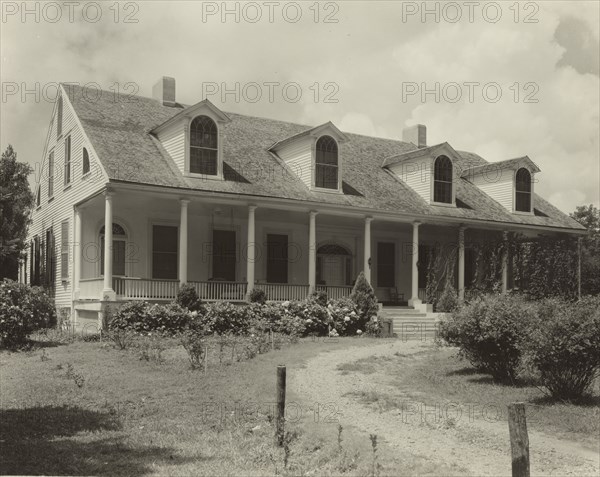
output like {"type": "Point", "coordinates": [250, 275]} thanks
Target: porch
{"type": "Point", "coordinates": [226, 248]}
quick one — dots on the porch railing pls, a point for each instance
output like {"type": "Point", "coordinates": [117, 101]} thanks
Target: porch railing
{"type": "Point", "coordinates": [145, 288]}
{"type": "Point", "coordinates": [423, 294]}
{"type": "Point", "coordinates": [335, 292]}
{"type": "Point", "coordinates": [217, 290]}
{"type": "Point", "coordinates": [91, 288]}
{"type": "Point", "coordinates": [283, 291]}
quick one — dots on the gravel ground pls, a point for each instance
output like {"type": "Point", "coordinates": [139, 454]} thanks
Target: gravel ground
{"type": "Point", "coordinates": [479, 446]}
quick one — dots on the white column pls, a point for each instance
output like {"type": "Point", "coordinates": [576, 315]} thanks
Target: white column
{"type": "Point", "coordinates": [183, 241]}
{"type": "Point", "coordinates": [367, 249]}
{"type": "Point", "coordinates": [461, 263]}
{"type": "Point", "coordinates": [312, 252]}
{"type": "Point", "coordinates": [251, 250]}
{"type": "Point", "coordinates": [504, 262]}
{"type": "Point", "coordinates": [414, 300]}
{"type": "Point", "coordinates": [108, 247]}
{"type": "Point", "coordinates": [77, 226]}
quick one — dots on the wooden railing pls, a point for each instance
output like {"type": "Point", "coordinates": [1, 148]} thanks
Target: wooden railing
{"type": "Point", "coordinates": [423, 294]}
{"type": "Point", "coordinates": [335, 292]}
{"type": "Point", "coordinates": [223, 291]}
{"type": "Point", "coordinates": [91, 288]}
{"type": "Point", "coordinates": [283, 291]}
{"type": "Point", "coordinates": [145, 288]}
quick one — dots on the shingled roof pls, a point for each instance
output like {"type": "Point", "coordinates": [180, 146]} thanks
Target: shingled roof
{"type": "Point", "coordinates": [119, 128]}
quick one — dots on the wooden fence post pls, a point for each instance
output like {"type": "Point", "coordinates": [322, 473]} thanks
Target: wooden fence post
{"type": "Point", "coordinates": [280, 418]}
{"type": "Point", "coordinates": [519, 440]}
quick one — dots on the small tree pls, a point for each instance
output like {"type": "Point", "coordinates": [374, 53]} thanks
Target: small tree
{"type": "Point", "coordinates": [187, 297]}
{"type": "Point", "coordinates": [364, 297]}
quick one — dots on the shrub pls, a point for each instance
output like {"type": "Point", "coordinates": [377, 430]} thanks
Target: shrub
{"type": "Point", "coordinates": [345, 316]}
{"type": "Point", "coordinates": [320, 296]}
{"type": "Point", "coordinates": [224, 317]}
{"type": "Point", "coordinates": [364, 297]}
{"type": "Point", "coordinates": [448, 300]}
{"type": "Point", "coordinates": [563, 346]}
{"type": "Point", "coordinates": [489, 331]}
{"type": "Point", "coordinates": [141, 317]}
{"type": "Point", "coordinates": [195, 345]}
{"type": "Point", "coordinates": [23, 309]}
{"type": "Point", "coordinates": [279, 318]}
{"type": "Point", "coordinates": [187, 297]}
{"type": "Point", "coordinates": [258, 296]}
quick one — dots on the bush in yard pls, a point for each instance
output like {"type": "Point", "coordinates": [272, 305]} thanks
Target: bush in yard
{"type": "Point", "coordinates": [23, 309]}
{"type": "Point", "coordinates": [345, 316]}
{"type": "Point", "coordinates": [320, 296]}
{"type": "Point", "coordinates": [448, 300]}
{"type": "Point", "coordinates": [279, 318]}
{"type": "Point", "coordinates": [315, 316]}
{"type": "Point", "coordinates": [258, 296]}
{"type": "Point", "coordinates": [224, 317]}
{"type": "Point", "coordinates": [563, 346]}
{"type": "Point", "coordinates": [489, 332]}
{"type": "Point", "coordinates": [141, 317]}
{"type": "Point", "coordinates": [187, 297]}
{"type": "Point", "coordinates": [365, 299]}
{"type": "Point", "coordinates": [194, 344]}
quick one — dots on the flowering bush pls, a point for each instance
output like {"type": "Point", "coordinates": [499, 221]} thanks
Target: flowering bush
{"type": "Point", "coordinates": [345, 316]}
{"type": "Point", "coordinates": [142, 317]}
{"type": "Point", "coordinates": [224, 317]}
{"type": "Point", "coordinates": [23, 309]}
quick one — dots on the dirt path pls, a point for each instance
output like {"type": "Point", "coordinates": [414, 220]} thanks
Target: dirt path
{"type": "Point", "coordinates": [479, 446]}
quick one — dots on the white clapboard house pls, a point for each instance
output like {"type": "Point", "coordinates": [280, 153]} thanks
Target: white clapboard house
{"type": "Point", "coordinates": [137, 195]}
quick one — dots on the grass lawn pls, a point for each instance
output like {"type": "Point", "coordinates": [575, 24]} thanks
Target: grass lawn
{"type": "Point", "coordinates": [87, 408]}
{"type": "Point", "coordinates": [440, 380]}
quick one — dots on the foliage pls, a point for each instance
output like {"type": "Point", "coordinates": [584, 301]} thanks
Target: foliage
{"type": "Point", "coordinates": [16, 201]}
{"type": "Point", "coordinates": [365, 299]}
{"type": "Point", "coordinates": [280, 318]}
{"type": "Point", "coordinates": [563, 346]}
{"type": "Point", "coordinates": [224, 317]}
{"type": "Point", "coordinates": [488, 332]}
{"type": "Point", "coordinates": [23, 309]}
{"type": "Point", "coordinates": [194, 345]}
{"type": "Point", "coordinates": [187, 297]}
{"type": "Point", "coordinates": [448, 300]}
{"type": "Point", "coordinates": [258, 296]}
{"type": "Point", "coordinates": [141, 317]}
{"type": "Point", "coordinates": [589, 217]}
{"type": "Point", "coordinates": [320, 296]}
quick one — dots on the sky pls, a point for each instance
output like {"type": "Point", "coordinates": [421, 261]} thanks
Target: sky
{"type": "Point", "coordinates": [501, 79]}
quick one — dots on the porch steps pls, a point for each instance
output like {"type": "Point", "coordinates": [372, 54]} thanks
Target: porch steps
{"type": "Point", "coordinates": [409, 324]}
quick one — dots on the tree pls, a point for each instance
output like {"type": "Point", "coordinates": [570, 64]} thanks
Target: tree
{"type": "Point", "coordinates": [589, 217]}
{"type": "Point", "coordinates": [16, 201]}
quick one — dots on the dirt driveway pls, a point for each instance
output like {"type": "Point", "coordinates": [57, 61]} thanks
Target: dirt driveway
{"type": "Point", "coordinates": [474, 446]}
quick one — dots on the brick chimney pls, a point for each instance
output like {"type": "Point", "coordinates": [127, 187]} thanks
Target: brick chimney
{"type": "Point", "coordinates": [416, 134]}
{"type": "Point", "coordinates": [164, 91]}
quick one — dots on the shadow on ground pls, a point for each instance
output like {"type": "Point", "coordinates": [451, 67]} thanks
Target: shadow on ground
{"type": "Point", "coordinates": [42, 440]}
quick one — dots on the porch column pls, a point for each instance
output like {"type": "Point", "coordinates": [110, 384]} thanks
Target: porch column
{"type": "Point", "coordinates": [505, 262]}
{"type": "Point", "coordinates": [461, 263]}
{"type": "Point", "coordinates": [251, 251]}
{"type": "Point", "coordinates": [107, 291]}
{"type": "Point", "coordinates": [76, 252]}
{"type": "Point", "coordinates": [312, 252]}
{"type": "Point", "coordinates": [183, 240]}
{"type": "Point", "coordinates": [415, 268]}
{"type": "Point", "coordinates": [367, 250]}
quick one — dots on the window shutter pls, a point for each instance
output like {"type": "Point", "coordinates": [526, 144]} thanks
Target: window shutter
{"type": "Point", "coordinates": [64, 250]}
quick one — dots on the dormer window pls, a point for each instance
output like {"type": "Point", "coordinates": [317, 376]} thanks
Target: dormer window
{"type": "Point", "coordinates": [326, 173]}
{"type": "Point", "coordinates": [442, 180]}
{"type": "Point", "coordinates": [523, 190]}
{"type": "Point", "coordinates": [203, 146]}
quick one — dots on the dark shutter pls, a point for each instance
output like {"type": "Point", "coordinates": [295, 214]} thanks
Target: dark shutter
{"type": "Point", "coordinates": [224, 255]}
{"type": "Point", "coordinates": [386, 259]}
{"type": "Point", "coordinates": [164, 251]}
{"type": "Point", "coordinates": [277, 258]}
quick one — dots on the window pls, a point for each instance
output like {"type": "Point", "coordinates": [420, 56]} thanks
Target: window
{"type": "Point", "coordinates": [67, 160]}
{"type": "Point", "coordinates": [64, 250]}
{"type": "Point", "coordinates": [277, 258]}
{"type": "Point", "coordinates": [86, 162]}
{"type": "Point", "coordinates": [59, 115]}
{"type": "Point", "coordinates": [119, 243]}
{"type": "Point", "coordinates": [51, 175]}
{"type": "Point", "coordinates": [442, 180]}
{"type": "Point", "coordinates": [164, 252]}
{"type": "Point", "coordinates": [203, 146]}
{"type": "Point", "coordinates": [386, 260]}
{"type": "Point", "coordinates": [224, 255]}
{"type": "Point", "coordinates": [326, 163]}
{"type": "Point", "coordinates": [523, 190]}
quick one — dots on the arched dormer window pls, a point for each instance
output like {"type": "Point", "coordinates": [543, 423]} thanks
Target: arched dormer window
{"type": "Point", "coordinates": [59, 115]}
{"type": "Point", "coordinates": [327, 169]}
{"type": "Point", "coordinates": [86, 162]}
{"type": "Point", "coordinates": [442, 180]}
{"type": "Point", "coordinates": [203, 146]}
{"type": "Point", "coordinates": [523, 190]}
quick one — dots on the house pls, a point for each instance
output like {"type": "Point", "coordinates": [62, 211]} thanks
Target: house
{"type": "Point", "coordinates": [138, 195]}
